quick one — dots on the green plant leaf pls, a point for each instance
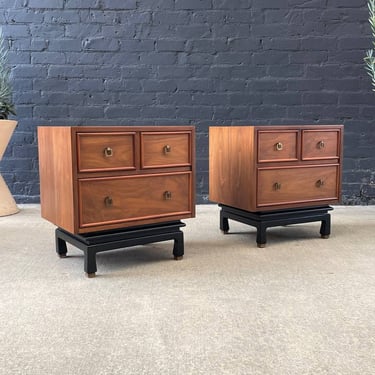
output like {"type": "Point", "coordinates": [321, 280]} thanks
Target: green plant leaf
{"type": "Point", "coordinates": [6, 102]}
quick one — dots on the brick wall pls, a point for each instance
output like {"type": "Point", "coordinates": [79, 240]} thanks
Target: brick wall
{"type": "Point", "coordinates": [202, 62]}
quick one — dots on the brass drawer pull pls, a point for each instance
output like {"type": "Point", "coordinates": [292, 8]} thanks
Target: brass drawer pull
{"type": "Point", "coordinates": [108, 201]}
{"type": "Point", "coordinates": [167, 149]}
{"type": "Point", "coordinates": [279, 146]}
{"type": "Point", "coordinates": [167, 195]}
{"type": "Point", "coordinates": [319, 183]}
{"type": "Point", "coordinates": [108, 152]}
{"type": "Point", "coordinates": [277, 186]}
{"type": "Point", "coordinates": [321, 144]}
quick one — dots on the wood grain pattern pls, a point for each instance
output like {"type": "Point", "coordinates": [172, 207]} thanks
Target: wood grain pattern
{"type": "Point", "coordinates": [317, 144]}
{"type": "Point", "coordinates": [231, 167]}
{"type": "Point", "coordinates": [290, 185]}
{"type": "Point", "coordinates": [248, 172]}
{"type": "Point", "coordinates": [165, 149]}
{"type": "Point", "coordinates": [133, 198]}
{"type": "Point", "coordinates": [56, 176]}
{"type": "Point", "coordinates": [277, 145]}
{"type": "Point", "coordinates": [106, 151]}
{"type": "Point", "coordinates": [76, 177]}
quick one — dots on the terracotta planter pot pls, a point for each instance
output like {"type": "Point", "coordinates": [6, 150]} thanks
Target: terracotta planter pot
{"type": "Point", "coordinates": [7, 204]}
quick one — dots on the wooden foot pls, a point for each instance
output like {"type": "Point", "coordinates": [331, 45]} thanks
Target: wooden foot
{"type": "Point", "coordinates": [325, 236]}
{"type": "Point", "coordinates": [63, 255]}
{"type": "Point", "coordinates": [92, 243]}
{"type": "Point", "coordinates": [224, 231]}
{"type": "Point", "coordinates": [264, 220]}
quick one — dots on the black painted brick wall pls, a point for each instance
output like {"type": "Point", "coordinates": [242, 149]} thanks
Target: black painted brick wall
{"type": "Point", "coordinates": [202, 62]}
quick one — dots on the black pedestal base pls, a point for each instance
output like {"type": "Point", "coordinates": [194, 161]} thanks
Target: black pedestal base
{"type": "Point", "coordinates": [93, 243]}
{"type": "Point", "coordinates": [263, 220]}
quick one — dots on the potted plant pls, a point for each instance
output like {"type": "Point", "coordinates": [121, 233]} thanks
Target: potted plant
{"type": "Point", "coordinates": [370, 54]}
{"type": "Point", "coordinates": [7, 203]}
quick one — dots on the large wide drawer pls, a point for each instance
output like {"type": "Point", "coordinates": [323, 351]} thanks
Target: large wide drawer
{"type": "Point", "coordinates": [277, 146]}
{"type": "Point", "coordinates": [165, 149]}
{"type": "Point", "coordinates": [105, 151]}
{"type": "Point", "coordinates": [291, 185]}
{"type": "Point", "coordinates": [320, 144]}
{"type": "Point", "coordinates": [131, 198]}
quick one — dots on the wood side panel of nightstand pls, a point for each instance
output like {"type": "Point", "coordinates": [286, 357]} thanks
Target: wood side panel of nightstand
{"type": "Point", "coordinates": [232, 166]}
{"type": "Point", "coordinates": [57, 176]}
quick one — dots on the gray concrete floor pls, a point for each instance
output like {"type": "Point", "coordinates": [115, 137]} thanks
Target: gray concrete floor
{"type": "Point", "coordinates": [302, 305]}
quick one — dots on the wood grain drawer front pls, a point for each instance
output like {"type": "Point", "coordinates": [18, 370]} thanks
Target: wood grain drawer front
{"type": "Point", "coordinates": [299, 184]}
{"type": "Point", "coordinates": [277, 146]}
{"type": "Point", "coordinates": [165, 150]}
{"type": "Point", "coordinates": [318, 144]}
{"type": "Point", "coordinates": [105, 151]}
{"type": "Point", "coordinates": [131, 198]}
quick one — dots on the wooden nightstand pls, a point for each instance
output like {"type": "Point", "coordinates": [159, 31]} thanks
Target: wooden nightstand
{"type": "Point", "coordinates": [275, 175]}
{"type": "Point", "coordinates": [109, 186]}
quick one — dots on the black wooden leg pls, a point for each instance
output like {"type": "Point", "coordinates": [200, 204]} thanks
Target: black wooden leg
{"type": "Point", "coordinates": [90, 262]}
{"type": "Point", "coordinates": [224, 224]}
{"type": "Point", "coordinates": [261, 235]}
{"type": "Point", "coordinates": [325, 228]}
{"type": "Point", "coordinates": [178, 246]}
{"type": "Point", "coordinates": [61, 248]}
{"type": "Point", "coordinates": [93, 243]}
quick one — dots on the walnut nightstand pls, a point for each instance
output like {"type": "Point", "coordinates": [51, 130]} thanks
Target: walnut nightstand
{"type": "Point", "coordinates": [275, 175]}
{"type": "Point", "coordinates": [116, 186]}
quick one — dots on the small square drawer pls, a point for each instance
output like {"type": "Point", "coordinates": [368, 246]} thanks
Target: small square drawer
{"type": "Point", "coordinates": [105, 151]}
{"type": "Point", "coordinates": [277, 146]}
{"type": "Point", "coordinates": [165, 149]}
{"type": "Point", "coordinates": [122, 199]}
{"type": "Point", "coordinates": [320, 144]}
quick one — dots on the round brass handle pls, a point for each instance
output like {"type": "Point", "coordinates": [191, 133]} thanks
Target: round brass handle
{"type": "Point", "coordinates": [279, 146]}
{"type": "Point", "coordinates": [321, 144]}
{"type": "Point", "coordinates": [108, 201]}
{"type": "Point", "coordinates": [277, 186]}
{"type": "Point", "coordinates": [167, 195]}
{"type": "Point", "coordinates": [108, 152]}
{"type": "Point", "coordinates": [319, 183]}
{"type": "Point", "coordinates": [167, 148]}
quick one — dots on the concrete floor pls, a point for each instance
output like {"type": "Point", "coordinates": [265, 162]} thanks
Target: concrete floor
{"type": "Point", "coordinates": [302, 305]}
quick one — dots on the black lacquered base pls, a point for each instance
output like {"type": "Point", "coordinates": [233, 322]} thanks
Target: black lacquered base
{"type": "Point", "coordinates": [93, 243]}
{"type": "Point", "coordinates": [264, 220]}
